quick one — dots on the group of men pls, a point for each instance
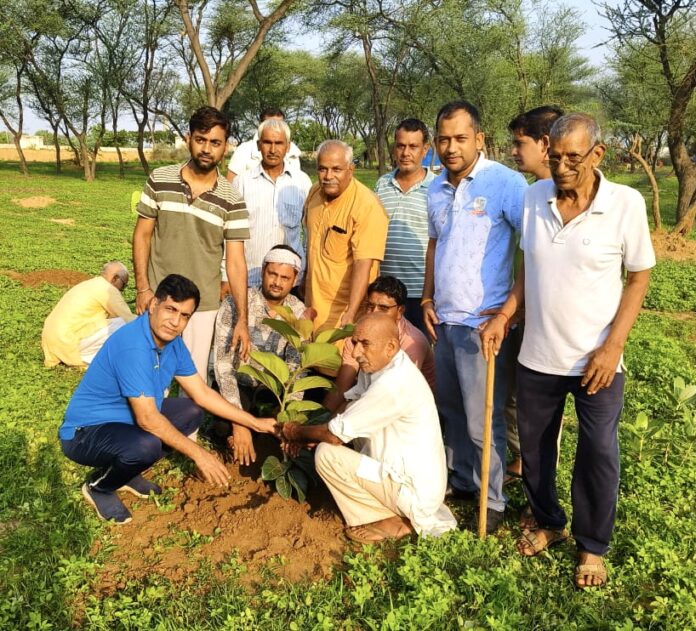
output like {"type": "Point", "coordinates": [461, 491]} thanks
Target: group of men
{"type": "Point", "coordinates": [407, 425]}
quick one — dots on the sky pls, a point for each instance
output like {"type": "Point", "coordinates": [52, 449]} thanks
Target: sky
{"type": "Point", "coordinates": [591, 45]}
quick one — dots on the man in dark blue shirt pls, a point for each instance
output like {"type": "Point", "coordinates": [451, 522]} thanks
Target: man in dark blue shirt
{"type": "Point", "coordinates": [119, 420]}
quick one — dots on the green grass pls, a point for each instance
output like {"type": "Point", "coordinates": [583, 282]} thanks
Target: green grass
{"type": "Point", "coordinates": [47, 531]}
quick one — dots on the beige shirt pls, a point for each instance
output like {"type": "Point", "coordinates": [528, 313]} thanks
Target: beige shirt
{"type": "Point", "coordinates": [82, 311]}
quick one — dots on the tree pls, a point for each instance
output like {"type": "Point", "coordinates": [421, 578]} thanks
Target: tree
{"type": "Point", "coordinates": [669, 29]}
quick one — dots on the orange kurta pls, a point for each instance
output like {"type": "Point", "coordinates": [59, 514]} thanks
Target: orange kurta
{"type": "Point", "coordinates": [339, 232]}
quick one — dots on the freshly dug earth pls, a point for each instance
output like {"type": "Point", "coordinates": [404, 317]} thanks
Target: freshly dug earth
{"type": "Point", "coordinates": [673, 246]}
{"type": "Point", "coordinates": [198, 524]}
{"type": "Point", "coordinates": [39, 201]}
{"type": "Point", "coordinates": [62, 277]}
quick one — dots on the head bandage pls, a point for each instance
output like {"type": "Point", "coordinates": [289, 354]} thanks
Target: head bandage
{"type": "Point", "coordinates": [281, 255]}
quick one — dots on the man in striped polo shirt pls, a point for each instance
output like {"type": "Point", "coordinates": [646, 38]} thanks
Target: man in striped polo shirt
{"type": "Point", "coordinates": [189, 216]}
{"type": "Point", "coordinates": [404, 195]}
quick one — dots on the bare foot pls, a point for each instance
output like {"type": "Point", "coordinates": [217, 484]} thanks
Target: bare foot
{"type": "Point", "coordinates": [532, 542]}
{"type": "Point", "coordinates": [590, 571]}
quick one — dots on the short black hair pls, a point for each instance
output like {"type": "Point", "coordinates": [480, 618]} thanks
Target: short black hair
{"type": "Point", "coordinates": [178, 288]}
{"type": "Point", "coordinates": [206, 117]}
{"type": "Point", "coordinates": [282, 246]}
{"type": "Point", "coordinates": [448, 110]}
{"type": "Point", "coordinates": [271, 112]}
{"type": "Point", "coordinates": [391, 286]}
{"type": "Point", "coordinates": [536, 123]}
{"type": "Point", "coordinates": [414, 124]}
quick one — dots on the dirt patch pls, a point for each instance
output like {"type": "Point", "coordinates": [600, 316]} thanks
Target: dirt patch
{"type": "Point", "coordinates": [64, 222]}
{"type": "Point", "coordinates": [673, 247]}
{"type": "Point", "coordinates": [62, 277]}
{"type": "Point", "coordinates": [249, 525]}
{"type": "Point", "coordinates": [39, 201]}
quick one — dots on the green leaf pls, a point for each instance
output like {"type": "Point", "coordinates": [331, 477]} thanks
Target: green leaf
{"type": "Point", "coordinates": [641, 422]}
{"type": "Point", "coordinates": [303, 406]}
{"type": "Point", "coordinates": [686, 393]}
{"type": "Point", "coordinates": [320, 355]}
{"type": "Point", "coordinates": [265, 378]}
{"type": "Point", "coordinates": [305, 328]}
{"type": "Point", "coordinates": [283, 487]}
{"type": "Point", "coordinates": [283, 417]}
{"type": "Point", "coordinates": [287, 315]}
{"type": "Point", "coordinates": [273, 468]}
{"type": "Point", "coordinates": [333, 335]}
{"type": "Point", "coordinates": [285, 330]}
{"type": "Point", "coordinates": [299, 482]}
{"type": "Point", "coordinates": [273, 364]}
{"type": "Point", "coordinates": [296, 416]}
{"type": "Point", "coordinates": [315, 381]}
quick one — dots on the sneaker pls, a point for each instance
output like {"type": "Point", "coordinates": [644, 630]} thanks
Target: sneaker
{"type": "Point", "coordinates": [494, 520]}
{"type": "Point", "coordinates": [453, 493]}
{"type": "Point", "coordinates": [107, 505]}
{"type": "Point", "coordinates": [140, 487]}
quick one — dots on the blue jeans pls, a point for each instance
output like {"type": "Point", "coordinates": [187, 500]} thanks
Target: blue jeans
{"type": "Point", "coordinates": [122, 451]}
{"type": "Point", "coordinates": [460, 376]}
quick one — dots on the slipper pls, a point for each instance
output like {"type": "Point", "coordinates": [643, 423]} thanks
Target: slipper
{"type": "Point", "coordinates": [371, 534]}
{"type": "Point", "coordinates": [530, 540]}
{"type": "Point", "coordinates": [595, 570]}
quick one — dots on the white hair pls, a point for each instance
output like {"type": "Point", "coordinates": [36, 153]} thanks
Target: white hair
{"type": "Point", "coordinates": [108, 270]}
{"type": "Point", "coordinates": [570, 122]}
{"type": "Point", "coordinates": [276, 125]}
{"type": "Point", "coordinates": [327, 145]}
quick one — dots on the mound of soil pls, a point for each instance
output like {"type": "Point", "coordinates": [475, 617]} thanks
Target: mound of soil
{"type": "Point", "coordinates": [62, 277]}
{"type": "Point", "coordinates": [198, 524]}
{"type": "Point", "coordinates": [673, 246]}
{"type": "Point", "coordinates": [39, 201]}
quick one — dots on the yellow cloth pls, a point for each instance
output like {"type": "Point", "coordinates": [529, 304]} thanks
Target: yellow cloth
{"type": "Point", "coordinates": [362, 234]}
{"type": "Point", "coordinates": [82, 311]}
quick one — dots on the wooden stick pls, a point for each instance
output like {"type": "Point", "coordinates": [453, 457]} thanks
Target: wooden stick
{"type": "Point", "coordinates": [486, 452]}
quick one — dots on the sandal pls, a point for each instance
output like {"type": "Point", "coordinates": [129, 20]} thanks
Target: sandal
{"type": "Point", "coordinates": [530, 543]}
{"type": "Point", "coordinates": [590, 570]}
{"type": "Point", "coordinates": [368, 534]}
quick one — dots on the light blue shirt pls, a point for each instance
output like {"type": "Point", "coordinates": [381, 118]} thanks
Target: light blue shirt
{"type": "Point", "coordinates": [475, 228]}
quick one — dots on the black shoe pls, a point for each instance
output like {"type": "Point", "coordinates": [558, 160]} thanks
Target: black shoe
{"type": "Point", "coordinates": [494, 519]}
{"type": "Point", "coordinates": [140, 487]}
{"type": "Point", "coordinates": [453, 493]}
{"type": "Point", "coordinates": [107, 505]}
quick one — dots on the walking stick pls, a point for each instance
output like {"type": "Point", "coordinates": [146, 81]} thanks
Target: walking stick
{"type": "Point", "coordinates": [486, 453]}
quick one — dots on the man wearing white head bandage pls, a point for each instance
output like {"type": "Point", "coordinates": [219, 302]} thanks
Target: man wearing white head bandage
{"type": "Point", "coordinates": [281, 267]}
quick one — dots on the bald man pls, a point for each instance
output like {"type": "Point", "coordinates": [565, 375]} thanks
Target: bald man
{"type": "Point", "coordinates": [395, 484]}
{"type": "Point", "coordinates": [85, 317]}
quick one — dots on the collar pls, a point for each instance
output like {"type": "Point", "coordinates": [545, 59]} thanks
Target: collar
{"type": "Point", "coordinates": [144, 320]}
{"type": "Point", "coordinates": [599, 204]}
{"type": "Point", "coordinates": [480, 165]}
{"type": "Point", "coordinates": [185, 183]}
{"type": "Point", "coordinates": [258, 170]}
{"type": "Point", "coordinates": [424, 183]}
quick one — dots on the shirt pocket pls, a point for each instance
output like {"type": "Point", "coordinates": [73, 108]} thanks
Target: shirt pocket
{"type": "Point", "coordinates": [336, 246]}
{"type": "Point", "coordinates": [289, 214]}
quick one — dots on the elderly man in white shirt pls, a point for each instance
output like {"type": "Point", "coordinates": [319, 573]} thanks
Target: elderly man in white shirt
{"type": "Point", "coordinates": [275, 195]}
{"type": "Point", "coordinates": [396, 483]}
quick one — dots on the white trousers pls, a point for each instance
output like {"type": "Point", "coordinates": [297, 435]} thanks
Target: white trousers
{"type": "Point", "coordinates": [198, 337]}
{"type": "Point", "coordinates": [89, 346]}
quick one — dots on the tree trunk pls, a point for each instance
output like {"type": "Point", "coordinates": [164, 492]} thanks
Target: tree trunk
{"type": "Point", "coordinates": [141, 147]}
{"type": "Point", "coordinates": [56, 144]}
{"type": "Point", "coordinates": [686, 224]}
{"type": "Point", "coordinates": [121, 167]}
{"type": "Point", "coordinates": [24, 169]}
{"type": "Point", "coordinates": [635, 153]}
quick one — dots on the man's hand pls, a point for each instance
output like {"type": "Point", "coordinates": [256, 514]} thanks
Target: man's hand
{"type": "Point", "coordinates": [601, 367]}
{"type": "Point", "coordinates": [267, 426]}
{"type": "Point", "coordinates": [430, 320]}
{"type": "Point", "coordinates": [242, 445]}
{"type": "Point", "coordinates": [240, 337]}
{"type": "Point", "coordinates": [211, 468]}
{"type": "Point", "coordinates": [309, 314]}
{"type": "Point", "coordinates": [517, 317]}
{"type": "Point", "coordinates": [291, 448]}
{"type": "Point", "coordinates": [224, 290]}
{"type": "Point", "coordinates": [492, 334]}
{"type": "Point", "coordinates": [347, 317]}
{"type": "Point", "coordinates": [142, 301]}
{"type": "Point", "coordinates": [290, 431]}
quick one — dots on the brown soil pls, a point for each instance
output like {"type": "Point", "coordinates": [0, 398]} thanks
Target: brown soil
{"type": "Point", "coordinates": [62, 277]}
{"type": "Point", "coordinates": [39, 201]}
{"type": "Point", "coordinates": [204, 525]}
{"type": "Point", "coordinates": [674, 247]}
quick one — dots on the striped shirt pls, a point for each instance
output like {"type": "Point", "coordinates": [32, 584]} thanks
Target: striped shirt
{"type": "Point", "coordinates": [407, 238]}
{"type": "Point", "coordinates": [275, 213]}
{"type": "Point", "coordinates": [190, 234]}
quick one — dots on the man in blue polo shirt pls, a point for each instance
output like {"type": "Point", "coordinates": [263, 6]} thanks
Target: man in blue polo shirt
{"type": "Point", "coordinates": [119, 420]}
{"type": "Point", "coordinates": [474, 209]}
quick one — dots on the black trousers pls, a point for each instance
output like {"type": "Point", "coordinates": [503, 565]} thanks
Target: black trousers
{"type": "Point", "coordinates": [595, 484]}
{"type": "Point", "coordinates": [122, 451]}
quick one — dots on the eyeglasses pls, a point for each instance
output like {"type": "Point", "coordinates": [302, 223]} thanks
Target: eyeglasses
{"type": "Point", "coordinates": [572, 160]}
{"type": "Point", "coordinates": [375, 306]}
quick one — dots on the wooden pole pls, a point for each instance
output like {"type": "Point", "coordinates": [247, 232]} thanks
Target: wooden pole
{"type": "Point", "coordinates": [486, 452]}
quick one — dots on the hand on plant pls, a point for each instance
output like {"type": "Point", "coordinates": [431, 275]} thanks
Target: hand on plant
{"type": "Point", "coordinates": [309, 314]}
{"type": "Point", "coordinates": [211, 468]}
{"type": "Point", "coordinates": [242, 444]}
{"type": "Point", "coordinates": [346, 318]}
{"type": "Point", "coordinates": [266, 426]}
{"type": "Point", "coordinates": [240, 337]}
{"type": "Point", "coordinates": [291, 431]}
{"type": "Point", "coordinates": [601, 367]}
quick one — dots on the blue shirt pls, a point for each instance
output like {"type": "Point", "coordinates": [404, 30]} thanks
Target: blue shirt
{"type": "Point", "coordinates": [475, 228]}
{"type": "Point", "coordinates": [129, 364]}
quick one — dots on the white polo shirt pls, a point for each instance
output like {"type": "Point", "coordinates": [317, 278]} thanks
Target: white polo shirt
{"type": "Point", "coordinates": [573, 273]}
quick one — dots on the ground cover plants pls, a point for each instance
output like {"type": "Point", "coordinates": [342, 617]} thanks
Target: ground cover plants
{"type": "Point", "coordinates": [55, 555]}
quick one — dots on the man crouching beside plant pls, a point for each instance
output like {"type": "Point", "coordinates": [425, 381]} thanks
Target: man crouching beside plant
{"type": "Point", "coordinates": [119, 420]}
{"type": "Point", "coordinates": [396, 482]}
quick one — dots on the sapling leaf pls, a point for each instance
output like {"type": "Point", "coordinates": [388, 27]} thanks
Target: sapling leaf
{"type": "Point", "coordinates": [303, 406]}
{"type": "Point", "coordinates": [299, 482]}
{"type": "Point", "coordinates": [273, 468]}
{"type": "Point", "coordinates": [287, 315]}
{"type": "Point", "coordinates": [265, 378]}
{"type": "Point", "coordinates": [314, 381]}
{"type": "Point", "coordinates": [305, 328]}
{"type": "Point", "coordinates": [273, 364]}
{"type": "Point", "coordinates": [283, 487]}
{"type": "Point", "coordinates": [283, 417]}
{"type": "Point", "coordinates": [285, 330]}
{"type": "Point", "coordinates": [330, 336]}
{"type": "Point", "coordinates": [296, 416]}
{"type": "Point", "coordinates": [320, 355]}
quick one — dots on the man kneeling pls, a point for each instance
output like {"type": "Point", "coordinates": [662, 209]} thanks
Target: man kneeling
{"type": "Point", "coordinates": [119, 420]}
{"type": "Point", "coordinates": [396, 482]}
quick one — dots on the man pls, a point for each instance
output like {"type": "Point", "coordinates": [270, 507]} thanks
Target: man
{"type": "Point", "coordinates": [404, 195]}
{"type": "Point", "coordinates": [275, 195]}
{"type": "Point", "coordinates": [579, 232]}
{"type": "Point", "coordinates": [85, 317]}
{"type": "Point", "coordinates": [386, 295]}
{"type": "Point", "coordinates": [119, 420]}
{"type": "Point", "coordinates": [396, 483]}
{"type": "Point", "coordinates": [280, 269]}
{"type": "Point", "coordinates": [189, 215]}
{"type": "Point", "coordinates": [248, 154]}
{"type": "Point", "coordinates": [346, 229]}
{"type": "Point", "coordinates": [530, 146]}
{"type": "Point", "coordinates": [474, 209]}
